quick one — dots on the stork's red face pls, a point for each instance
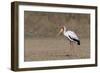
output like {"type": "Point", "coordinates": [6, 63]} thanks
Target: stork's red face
{"type": "Point", "coordinates": [61, 30]}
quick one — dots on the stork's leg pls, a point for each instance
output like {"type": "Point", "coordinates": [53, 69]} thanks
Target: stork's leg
{"type": "Point", "coordinates": [74, 51]}
{"type": "Point", "coordinates": [71, 48]}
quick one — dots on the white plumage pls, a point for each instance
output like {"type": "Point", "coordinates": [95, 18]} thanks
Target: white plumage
{"type": "Point", "coordinates": [71, 35]}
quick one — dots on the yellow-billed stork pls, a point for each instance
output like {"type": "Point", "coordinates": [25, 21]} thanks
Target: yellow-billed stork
{"type": "Point", "coordinates": [71, 35]}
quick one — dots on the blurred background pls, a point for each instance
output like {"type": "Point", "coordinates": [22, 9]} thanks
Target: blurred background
{"type": "Point", "coordinates": [43, 24]}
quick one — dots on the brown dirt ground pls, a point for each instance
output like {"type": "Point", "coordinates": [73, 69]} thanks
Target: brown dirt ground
{"type": "Point", "coordinates": [54, 49]}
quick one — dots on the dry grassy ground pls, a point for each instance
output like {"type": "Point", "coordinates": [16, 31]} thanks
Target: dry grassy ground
{"type": "Point", "coordinates": [54, 49]}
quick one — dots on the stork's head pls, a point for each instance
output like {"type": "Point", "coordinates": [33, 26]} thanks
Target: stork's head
{"type": "Point", "coordinates": [62, 29]}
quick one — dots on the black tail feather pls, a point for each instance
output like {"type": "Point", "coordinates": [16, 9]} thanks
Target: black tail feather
{"type": "Point", "coordinates": [78, 42]}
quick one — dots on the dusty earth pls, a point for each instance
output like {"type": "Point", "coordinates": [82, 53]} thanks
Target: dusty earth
{"type": "Point", "coordinates": [54, 49]}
